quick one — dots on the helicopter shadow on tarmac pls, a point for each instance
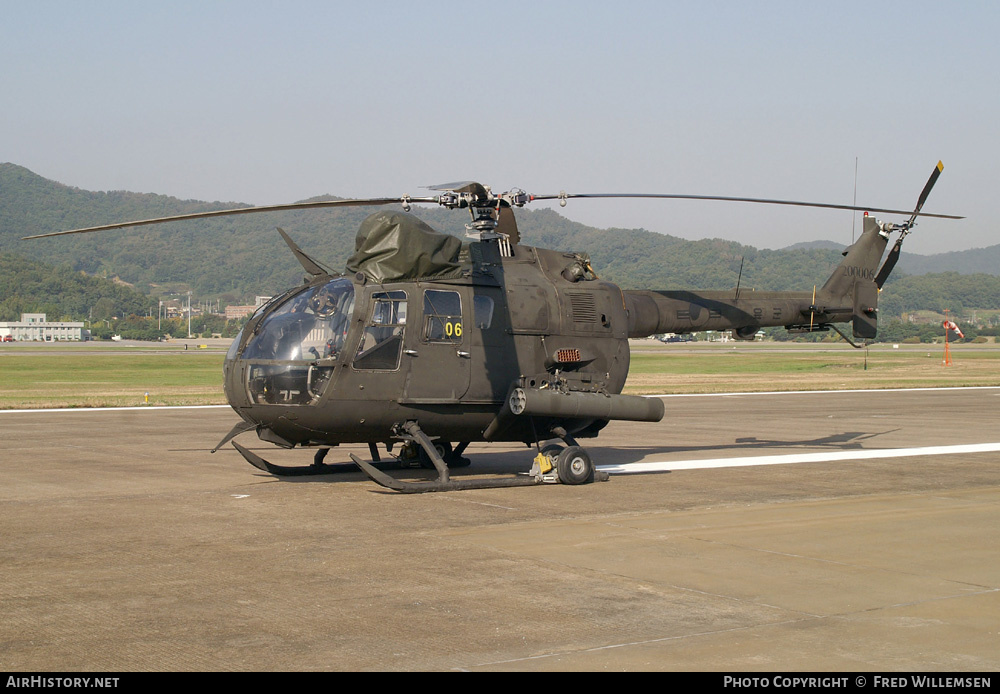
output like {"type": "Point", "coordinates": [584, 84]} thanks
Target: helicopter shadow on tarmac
{"type": "Point", "coordinates": [848, 441]}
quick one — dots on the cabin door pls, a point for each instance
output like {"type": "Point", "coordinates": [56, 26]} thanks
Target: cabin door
{"type": "Point", "coordinates": [437, 353]}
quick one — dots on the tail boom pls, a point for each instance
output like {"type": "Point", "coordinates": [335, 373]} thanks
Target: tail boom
{"type": "Point", "coordinates": [652, 312]}
{"type": "Point", "coordinates": [849, 295]}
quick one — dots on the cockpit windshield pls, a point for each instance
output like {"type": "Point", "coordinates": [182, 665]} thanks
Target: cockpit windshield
{"type": "Point", "coordinates": [310, 325]}
{"type": "Point", "coordinates": [292, 356]}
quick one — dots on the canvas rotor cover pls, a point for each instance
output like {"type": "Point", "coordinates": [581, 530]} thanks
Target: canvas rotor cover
{"type": "Point", "coordinates": [394, 246]}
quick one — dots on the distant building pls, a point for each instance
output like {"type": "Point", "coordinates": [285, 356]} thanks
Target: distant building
{"type": "Point", "coordinates": [239, 311]}
{"type": "Point", "coordinates": [243, 311]}
{"type": "Point", "coordinates": [174, 309]}
{"type": "Point", "coordinates": [35, 327]}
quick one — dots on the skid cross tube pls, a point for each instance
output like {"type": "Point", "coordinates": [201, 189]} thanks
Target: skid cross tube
{"type": "Point", "coordinates": [411, 432]}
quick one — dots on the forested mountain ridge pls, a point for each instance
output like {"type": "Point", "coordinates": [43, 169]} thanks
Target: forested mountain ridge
{"type": "Point", "coordinates": [973, 261]}
{"type": "Point", "coordinates": [29, 286]}
{"type": "Point", "coordinates": [243, 256]}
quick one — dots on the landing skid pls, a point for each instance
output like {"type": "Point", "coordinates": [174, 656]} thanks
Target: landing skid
{"type": "Point", "coordinates": [317, 468]}
{"type": "Point", "coordinates": [439, 485]}
{"type": "Point", "coordinates": [582, 470]}
{"type": "Point", "coordinates": [554, 464]}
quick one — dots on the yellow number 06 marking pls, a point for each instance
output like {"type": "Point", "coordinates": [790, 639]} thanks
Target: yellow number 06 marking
{"type": "Point", "coordinates": [453, 329]}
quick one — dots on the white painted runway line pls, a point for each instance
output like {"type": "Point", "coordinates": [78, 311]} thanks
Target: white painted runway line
{"type": "Point", "coordinates": [821, 392]}
{"type": "Point", "coordinates": [826, 456]}
{"type": "Point", "coordinates": [138, 408]}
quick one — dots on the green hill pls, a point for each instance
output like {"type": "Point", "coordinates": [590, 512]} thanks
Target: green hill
{"type": "Point", "coordinates": [244, 256]}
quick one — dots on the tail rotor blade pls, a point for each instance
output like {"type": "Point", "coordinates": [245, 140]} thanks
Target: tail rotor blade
{"type": "Point", "coordinates": [893, 257]}
{"type": "Point", "coordinates": [930, 184]}
{"type": "Point", "coordinates": [812, 309]}
{"type": "Point", "coordinates": [890, 263]}
{"type": "Point", "coordinates": [926, 191]}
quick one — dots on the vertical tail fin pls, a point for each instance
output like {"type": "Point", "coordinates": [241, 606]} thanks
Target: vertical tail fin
{"type": "Point", "coordinates": [861, 261]}
{"type": "Point", "coordinates": [854, 278]}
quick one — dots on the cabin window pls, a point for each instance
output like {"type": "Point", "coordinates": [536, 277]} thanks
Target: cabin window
{"type": "Point", "coordinates": [235, 347]}
{"type": "Point", "coordinates": [442, 316]}
{"type": "Point", "coordinates": [482, 308]}
{"type": "Point", "coordinates": [382, 342]}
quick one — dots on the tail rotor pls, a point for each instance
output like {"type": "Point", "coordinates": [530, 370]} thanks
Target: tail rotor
{"type": "Point", "coordinates": [905, 227]}
{"type": "Point", "coordinates": [812, 309]}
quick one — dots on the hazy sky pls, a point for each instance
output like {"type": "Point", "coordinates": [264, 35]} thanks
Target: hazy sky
{"type": "Point", "coordinates": [267, 102]}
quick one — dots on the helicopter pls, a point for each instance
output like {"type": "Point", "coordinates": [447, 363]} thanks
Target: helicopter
{"type": "Point", "coordinates": [433, 343]}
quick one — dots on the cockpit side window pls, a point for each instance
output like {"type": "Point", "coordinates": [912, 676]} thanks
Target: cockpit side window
{"type": "Point", "coordinates": [382, 341]}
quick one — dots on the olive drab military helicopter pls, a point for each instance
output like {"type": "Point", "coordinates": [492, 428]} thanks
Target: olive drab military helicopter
{"type": "Point", "coordinates": [432, 343]}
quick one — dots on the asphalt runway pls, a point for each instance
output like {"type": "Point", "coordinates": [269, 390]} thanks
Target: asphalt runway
{"type": "Point", "coordinates": [127, 546]}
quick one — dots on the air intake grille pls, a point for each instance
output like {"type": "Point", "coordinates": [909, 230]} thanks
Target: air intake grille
{"type": "Point", "coordinates": [584, 307]}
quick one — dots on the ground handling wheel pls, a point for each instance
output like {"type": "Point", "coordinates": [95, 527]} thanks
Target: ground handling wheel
{"type": "Point", "coordinates": [574, 466]}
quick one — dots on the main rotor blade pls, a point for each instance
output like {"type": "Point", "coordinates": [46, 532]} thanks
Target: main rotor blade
{"type": "Point", "coordinates": [477, 189]}
{"type": "Point", "coordinates": [857, 208]}
{"type": "Point", "coordinates": [485, 198]}
{"type": "Point", "coordinates": [507, 224]}
{"type": "Point", "coordinates": [241, 210]}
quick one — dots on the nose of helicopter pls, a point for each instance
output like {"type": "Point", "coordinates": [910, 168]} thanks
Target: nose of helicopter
{"type": "Point", "coordinates": [288, 355]}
